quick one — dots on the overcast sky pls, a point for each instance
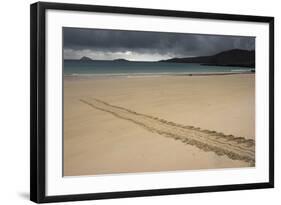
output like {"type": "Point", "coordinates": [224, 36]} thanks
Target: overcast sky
{"type": "Point", "coordinates": [100, 44]}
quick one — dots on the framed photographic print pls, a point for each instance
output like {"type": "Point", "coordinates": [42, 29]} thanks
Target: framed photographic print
{"type": "Point", "coordinates": [129, 102]}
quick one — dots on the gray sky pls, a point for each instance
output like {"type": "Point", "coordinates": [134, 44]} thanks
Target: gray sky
{"type": "Point", "coordinates": [101, 44]}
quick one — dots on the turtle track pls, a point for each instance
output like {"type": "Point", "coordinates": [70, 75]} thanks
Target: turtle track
{"type": "Point", "coordinates": [235, 148]}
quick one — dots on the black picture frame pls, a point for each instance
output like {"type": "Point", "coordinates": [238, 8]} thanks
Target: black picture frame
{"type": "Point", "coordinates": [38, 103]}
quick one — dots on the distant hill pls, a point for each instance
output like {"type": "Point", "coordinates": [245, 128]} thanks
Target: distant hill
{"type": "Point", "coordinates": [235, 57]}
{"type": "Point", "coordinates": [85, 58]}
{"type": "Point", "coordinates": [121, 60]}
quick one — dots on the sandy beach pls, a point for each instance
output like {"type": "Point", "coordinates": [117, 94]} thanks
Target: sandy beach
{"type": "Point", "coordinates": [149, 124]}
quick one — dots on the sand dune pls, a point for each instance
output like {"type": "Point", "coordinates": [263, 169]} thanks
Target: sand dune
{"type": "Point", "coordinates": [237, 148]}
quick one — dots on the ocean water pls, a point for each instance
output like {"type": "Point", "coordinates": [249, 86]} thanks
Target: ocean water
{"type": "Point", "coordinates": [115, 68]}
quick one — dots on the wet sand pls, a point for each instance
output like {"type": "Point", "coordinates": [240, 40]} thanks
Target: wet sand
{"type": "Point", "coordinates": [150, 124]}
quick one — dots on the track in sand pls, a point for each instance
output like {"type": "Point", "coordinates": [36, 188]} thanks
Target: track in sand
{"type": "Point", "coordinates": [236, 148]}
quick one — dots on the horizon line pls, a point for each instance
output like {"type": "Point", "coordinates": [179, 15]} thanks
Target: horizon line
{"type": "Point", "coordinates": [124, 59]}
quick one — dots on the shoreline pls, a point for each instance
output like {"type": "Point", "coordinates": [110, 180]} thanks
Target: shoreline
{"type": "Point", "coordinates": [156, 74]}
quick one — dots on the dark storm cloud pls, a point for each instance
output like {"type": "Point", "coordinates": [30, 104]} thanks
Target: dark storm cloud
{"type": "Point", "coordinates": [154, 43]}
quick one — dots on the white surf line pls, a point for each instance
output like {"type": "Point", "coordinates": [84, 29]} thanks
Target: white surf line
{"type": "Point", "coordinates": [236, 148]}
